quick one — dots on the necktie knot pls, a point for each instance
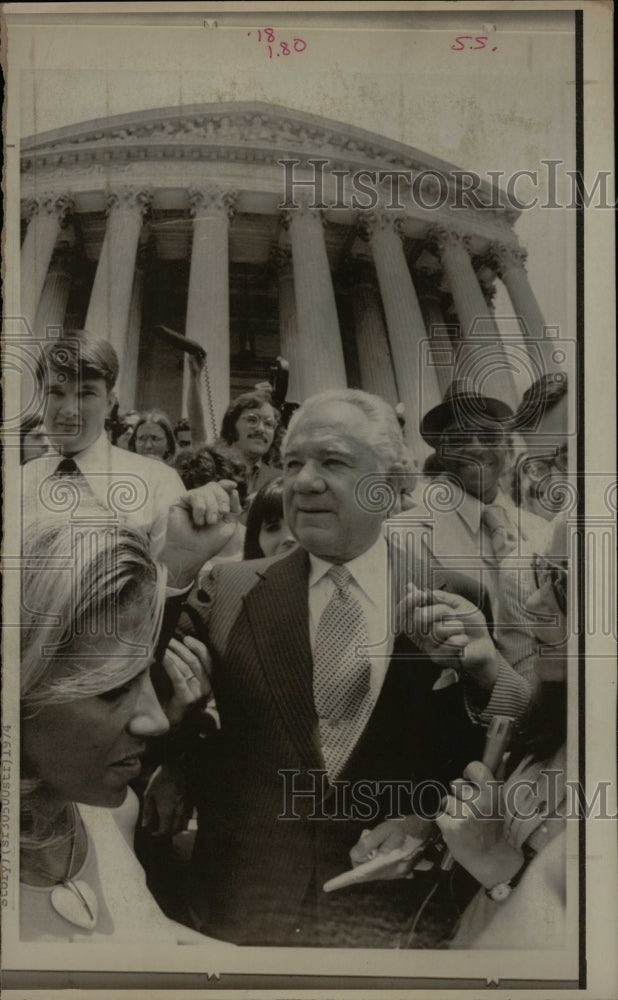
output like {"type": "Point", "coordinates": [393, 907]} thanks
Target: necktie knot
{"type": "Point", "coordinates": [341, 577]}
{"type": "Point", "coordinates": [66, 467]}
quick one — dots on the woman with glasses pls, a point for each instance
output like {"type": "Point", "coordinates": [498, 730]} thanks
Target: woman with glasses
{"type": "Point", "coordinates": [516, 833]}
{"type": "Point", "coordinates": [249, 427]}
{"type": "Point", "coordinates": [153, 437]}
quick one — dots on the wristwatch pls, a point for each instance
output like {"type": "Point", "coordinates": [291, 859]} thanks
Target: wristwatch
{"type": "Point", "coordinates": [502, 890]}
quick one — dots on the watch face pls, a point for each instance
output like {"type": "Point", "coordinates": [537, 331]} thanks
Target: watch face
{"type": "Point", "coordinates": [500, 892]}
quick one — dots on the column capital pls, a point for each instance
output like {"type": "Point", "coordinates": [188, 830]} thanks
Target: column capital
{"type": "Point", "coordinates": [50, 204]}
{"type": "Point", "coordinates": [132, 199]}
{"type": "Point", "coordinates": [302, 211]}
{"type": "Point", "coordinates": [374, 222]}
{"type": "Point", "coordinates": [448, 238]}
{"type": "Point", "coordinates": [212, 201]}
{"type": "Point", "coordinates": [505, 257]}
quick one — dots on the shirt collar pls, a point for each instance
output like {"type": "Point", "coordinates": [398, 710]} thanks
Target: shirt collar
{"type": "Point", "coordinates": [367, 570]}
{"type": "Point", "coordinates": [471, 509]}
{"type": "Point", "coordinates": [94, 457]}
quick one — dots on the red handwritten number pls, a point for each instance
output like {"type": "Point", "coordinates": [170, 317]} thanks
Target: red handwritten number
{"type": "Point", "coordinates": [259, 35]}
{"type": "Point", "coordinates": [270, 34]}
{"type": "Point", "coordinates": [299, 42]}
{"type": "Point", "coordinates": [270, 52]}
{"type": "Point", "coordinates": [460, 46]}
{"type": "Point", "coordinates": [285, 48]}
{"type": "Point", "coordinates": [479, 38]}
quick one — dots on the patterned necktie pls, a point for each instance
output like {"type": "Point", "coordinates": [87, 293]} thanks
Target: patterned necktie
{"type": "Point", "coordinates": [341, 675]}
{"type": "Point", "coordinates": [503, 540]}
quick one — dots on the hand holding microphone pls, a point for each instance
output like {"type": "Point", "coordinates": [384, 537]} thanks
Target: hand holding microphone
{"type": "Point", "coordinates": [451, 631]}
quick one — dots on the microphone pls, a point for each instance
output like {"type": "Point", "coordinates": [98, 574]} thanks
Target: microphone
{"type": "Point", "coordinates": [497, 742]}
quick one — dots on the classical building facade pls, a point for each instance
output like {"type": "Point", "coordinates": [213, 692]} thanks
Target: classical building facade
{"type": "Point", "coordinates": [357, 258]}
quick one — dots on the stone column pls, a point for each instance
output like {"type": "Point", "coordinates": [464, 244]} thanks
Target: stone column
{"type": "Point", "coordinates": [55, 296]}
{"type": "Point", "coordinates": [208, 302]}
{"type": "Point", "coordinates": [442, 349]}
{"type": "Point", "coordinates": [510, 264]}
{"type": "Point", "coordinates": [481, 358]}
{"type": "Point", "coordinates": [127, 378]}
{"type": "Point", "coordinates": [281, 261]}
{"type": "Point", "coordinates": [374, 352]}
{"type": "Point", "coordinates": [110, 299]}
{"type": "Point", "coordinates": [418, 385]}
{"type": "Point", "coordinates": [319, 356]}
{"type": "Point", "coordinates": [48, 214]}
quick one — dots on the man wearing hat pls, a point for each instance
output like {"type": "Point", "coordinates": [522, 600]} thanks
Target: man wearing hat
{"type": "Point", "coordinates": [464, 520]}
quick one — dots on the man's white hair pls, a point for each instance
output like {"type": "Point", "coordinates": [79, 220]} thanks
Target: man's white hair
{"type": "Point", "coordinates": [386, 438]}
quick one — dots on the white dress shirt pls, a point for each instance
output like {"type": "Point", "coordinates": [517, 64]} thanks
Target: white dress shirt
{"type": "Point", "coordinates": [138, 490]}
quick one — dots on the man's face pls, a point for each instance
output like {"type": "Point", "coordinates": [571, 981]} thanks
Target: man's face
{"type": "Point", "coordinates": [476, 457]}
{"type": "Point", "coordinates": [183, 440]}
{"type": "Point", "coordinates": [255, 431]}
{"type": "Point", "coordinates": [75, 411]}
{"type": "Point", "coordinates": [325, 455]}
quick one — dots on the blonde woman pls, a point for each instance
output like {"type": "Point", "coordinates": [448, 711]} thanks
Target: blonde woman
{"type": "Point", "coordinates": [93, 602]}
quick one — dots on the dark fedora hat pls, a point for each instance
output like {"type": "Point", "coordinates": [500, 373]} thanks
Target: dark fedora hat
{"type": "Point", "coordinates": [464, 406]}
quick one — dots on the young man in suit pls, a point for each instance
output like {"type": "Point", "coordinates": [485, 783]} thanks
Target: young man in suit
{"type": "Point", "coordinates": [318, 696]}
{"type": "Point", "coordinates": [76, 375]}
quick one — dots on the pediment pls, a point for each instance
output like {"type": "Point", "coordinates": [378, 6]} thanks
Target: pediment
{"type": "Point", "coordinates": [254, 131]}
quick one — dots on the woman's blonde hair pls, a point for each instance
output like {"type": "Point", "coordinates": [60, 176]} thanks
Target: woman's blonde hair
{"type": "Point", "coordinates": [78, 582]}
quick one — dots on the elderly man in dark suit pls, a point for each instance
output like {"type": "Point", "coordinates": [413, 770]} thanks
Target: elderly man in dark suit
{"type": "Point", "coordinates": [326, 712]}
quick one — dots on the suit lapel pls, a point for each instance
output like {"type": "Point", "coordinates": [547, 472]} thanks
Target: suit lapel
{"type": "Point", "coordinates": [278, 613]}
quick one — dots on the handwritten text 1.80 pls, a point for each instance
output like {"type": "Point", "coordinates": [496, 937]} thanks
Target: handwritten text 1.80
{"type": "Point", "coordinates": [275, 48]}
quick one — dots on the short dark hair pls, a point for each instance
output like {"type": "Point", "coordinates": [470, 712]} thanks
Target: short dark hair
{"type": "Point", "coordinates": [78, 354]}
{"type": "Point", "coordinates": [160, 418]}
{"type": "Point", "coordinates": [540, 398]}
{"type": "Point", "coordinates": [247, 401]}
{"type": "Point", "coordinates": [195, 466]}
{"type": "Point", "coordinates": [266, 508]}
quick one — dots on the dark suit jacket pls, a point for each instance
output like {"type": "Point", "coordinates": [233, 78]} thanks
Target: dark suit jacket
{"type": "Point", "coordinates": [255, 867]}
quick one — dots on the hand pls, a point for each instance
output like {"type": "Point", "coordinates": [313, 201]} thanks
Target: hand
{"type": "Point", "coordinates": [388, 836]}
{"type": "Point", "coordinates": [451, 631]}
{"type": "Point", "coordinates": [167, 808]}
{"type": "Point", "coordinates": [473, 825]}
{"type": "Point", "coordinates": [189, 667]}
{"type": "Point", "coordinates": [199, 524]}
{"type": "Point", "coordinates": [196, 364]}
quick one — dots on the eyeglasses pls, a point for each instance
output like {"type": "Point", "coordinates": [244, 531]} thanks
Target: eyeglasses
{"type": "Point", "coordinates": [541, 466]}
{"type": "Point", "coordinates": [547, 571]}
{"type": "Point", "coordinates": [254, 420]}
{"type": "Point", "coordinates": [459, 443]}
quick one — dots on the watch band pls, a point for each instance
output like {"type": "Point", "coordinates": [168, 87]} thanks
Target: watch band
{"type": "Point", "coordinates": [500, 892]}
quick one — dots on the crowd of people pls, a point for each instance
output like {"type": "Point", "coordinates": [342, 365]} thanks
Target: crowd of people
{"type": "Point", "coordinates": [247, 662]}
